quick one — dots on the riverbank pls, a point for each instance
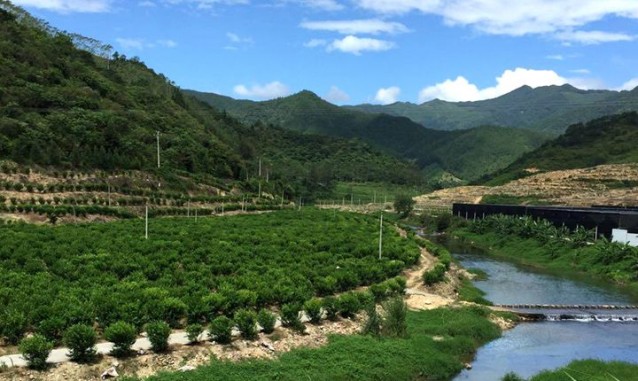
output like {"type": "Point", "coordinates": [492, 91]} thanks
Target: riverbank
{"type": "Point", "coordinates": [593, 262]}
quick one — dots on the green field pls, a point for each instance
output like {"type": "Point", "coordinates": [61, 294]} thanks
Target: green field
{"type": "Point", "coordinates": [187, 269]}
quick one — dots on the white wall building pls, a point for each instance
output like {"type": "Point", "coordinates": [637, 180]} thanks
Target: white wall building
{"type": "Point", "coordinates": [623, 236]}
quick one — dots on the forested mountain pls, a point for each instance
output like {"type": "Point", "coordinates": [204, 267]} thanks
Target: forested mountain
{"type": "Point", "coordinates": [550, 109]}
{"type": "Point", "coordinates": [86, 108]}
{"type": "Point", "coordinates": [465, 154]}
{"type": "Point", "coordinates": [606, 140]}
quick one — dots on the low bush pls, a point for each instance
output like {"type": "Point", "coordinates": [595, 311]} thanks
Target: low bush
{"type": "Point", "coordinates": [221, 330]}
{"type": "Point", "coordinates": [349, 305]}
{"type": "Point", "coordinates": [158, 333]}
{"type": "Point", "coordinates": [435, 275]}
{"type": "Point", "coordinates": [246, 321]}
{"type": "Point", "coordinates": [266, 320]}
{"type": "Point", "coordinates": [290, 317]}
{"type": "Point", "coordinates": [313, 310]}
{"type": "Point", "coordinates": [35, 350]}
{"type": "Point", "coordinates": [13, 325]}
{"type": "Point", "coordinates": [331, 306]}
{"type": "Point", "coordinates": [394, 319]}
{"type": "Point", "coordinates": [193, 331]}
{"type": "Point", "coordinates": [373, 322]}
{"type": "Point", "coordinates": [123, 336]}
{"type": "Point", "coordinates": [80, 339]}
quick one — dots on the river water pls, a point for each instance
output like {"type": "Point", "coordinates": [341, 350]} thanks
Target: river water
{"type": "Point", "coordinates": [532, 347]}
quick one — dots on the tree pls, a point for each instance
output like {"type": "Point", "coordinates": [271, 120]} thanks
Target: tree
{"type": "Point", "coordinates": [158, 333]}
{"type": "Point", "coordinates": [35, 350]}
{"type": "Point", "coordinates": [80, 339]}
{"type": "Point", "coordinates": [122, 335]}
{"type": "Point", "coordinates": [403, 204]}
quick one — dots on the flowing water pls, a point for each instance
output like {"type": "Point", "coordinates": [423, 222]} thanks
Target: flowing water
{"type": "Point", "coordinates": [531, 347]}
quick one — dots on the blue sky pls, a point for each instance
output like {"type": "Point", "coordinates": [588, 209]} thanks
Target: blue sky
{"type": "Point", "coordinates": [365, 51]}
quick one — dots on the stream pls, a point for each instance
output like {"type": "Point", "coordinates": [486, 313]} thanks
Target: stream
{"type": "Point", "coordinates": [532, 347]}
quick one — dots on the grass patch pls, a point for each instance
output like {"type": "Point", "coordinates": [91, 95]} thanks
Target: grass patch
{"type": "Point", "coordinates": [469, 293]}
{"type": "Point", "coordinates": [509, 199]}
{"type": "Point", "coordinates": [590, 370]}
{"type": "Point", "coordinates": [360, 357]}
{"type": "Point", "coordinates": [347, 192]}
{"type": "Point", "coordinates": [478, 274]}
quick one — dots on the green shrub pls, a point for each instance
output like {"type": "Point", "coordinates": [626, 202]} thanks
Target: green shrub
{"type": "Point", "coordinates": [173, 311]}
{"type": "Point", "coordinates": [349, 305]}
{"type": "Point", "coordinates": [221, 329]}
{"type": "Point", "coordinates": [373, 322]}
{"type": "Point", "coordinates": [52, 328]}
{"type": "Point", "coordinates": [394, 319]}
{"type": "Point", "coordinates": [13, 325]}
{"type": "Point", "coordinates": [266, 320]}
{"type": "Point", "coordinates": [158, 333]}
{"type": "Point", "coordinates": [80, 339]}
{"type": "Point", "coordinates": [313, 309]}
{"type": "Point", "coordinates": [193, 331]}
{"type": "Point", "coordinates": [435, 275]}
{"type": "Point", "coordinates": [246, 321]}
{"type": "Point", "coordinates": [123, 336]}
{"type": "Point", "coordinates": [331, 306]}
{"type": "Point", "coordinates": [35, 350]}
{"type": "Point", "coordinates": [290, 317]}
{"type": "Point", "coordinates": [511, 376]}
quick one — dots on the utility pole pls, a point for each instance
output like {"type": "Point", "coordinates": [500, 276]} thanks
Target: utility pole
{"type": "Point", "coordinates": [260, 167]}
{"type": "Point", "coordinates": [109, 194]}
{"type": "Point", "coordinates": [158, 150]}
{"type": "Point", "coordinates": [380, 235]}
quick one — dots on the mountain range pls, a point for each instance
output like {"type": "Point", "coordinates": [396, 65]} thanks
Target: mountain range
{"type": "Point", "coordinates": [549, 109]}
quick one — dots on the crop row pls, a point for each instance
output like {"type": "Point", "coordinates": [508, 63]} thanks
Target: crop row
{"type": "Point", "coordinates": [188, 270]}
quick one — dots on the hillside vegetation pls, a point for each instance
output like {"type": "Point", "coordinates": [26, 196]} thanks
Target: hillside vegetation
{"type": "Point", "coordinates": [607, 140]}
{"type": "Point", "coordinates": [85, 109]}
{"type": "Point", "coordinates": [549, 109]}
{"type": "Point", "coordinates": [465, 154]}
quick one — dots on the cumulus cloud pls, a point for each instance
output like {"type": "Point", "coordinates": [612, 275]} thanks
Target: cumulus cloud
{"type": "Point", "coordinates": [630, 85]}
{"type": "Point", "coordinates": [387, 95]}
{"type": "Point", "coordinates": [561, 18]}
{"type": "Point", "coordinates": [355, 45]}
{"type": "Point", "coordinates": [326, 5]}
{"type": "Point", "coordinates": [460, 89]}
{"type": "Point", "coordinates": [336, 95]}
{"type": "Point", "coordinates": [236, 39]}
{"type": "Point", "coordinates": [368, 26]}
{"type": "Point", "coordinates": [270, 90]}
{"type": "Point", "coordinates": [68, 6]}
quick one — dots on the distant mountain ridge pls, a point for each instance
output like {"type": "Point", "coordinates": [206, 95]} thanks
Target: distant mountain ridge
{"type": "Point", "coordinates": [548, 109]}
{"type": "Point", "coordinates": [607, 140]}
{"type": "Point", "coordinates": [467, 154]}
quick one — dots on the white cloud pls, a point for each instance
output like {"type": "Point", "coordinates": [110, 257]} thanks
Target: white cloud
{"type": "Point", "coordinates": [270, 90]}
{"type": "Point", "coordinates": [167, 43]}
{"type": "Point", "coordinates": [356, 45]}
{"type": "Point", "coordinates": [68, 6]}
{"type": "Point", "coordinates": [369, 26]}
{"type": "Point", "coordinates": [236, 39]}
{"type": "Point", "coordinates": [630, 85]}
{"type": "Point", "coordinates": [147, 3]}
{"type": "Point", "coordinates": [460, 89]}
{"type": "Point", "coordinates": [140, 43]}
{"type": "Point", "coordinates": [593, 37]}
{"type": "Point", "coordinates": [580, 71]}
{"type": "Point", "coordinates": [555, 57]}
{"type": "Point", "coordinates": [207, 4]}
{"type": "Point", "coordinates": [336, 95]}
{"type": "Point", "coordinates": [517, 18]}
{"type": "Point", "coordinates": [131, 43]}
{"type": "Point", "coordinates": [387, 95]}
{"type": "Point", "coordinates": [315, 42]}
{"type": "Point", "coordinates": [326, 5]}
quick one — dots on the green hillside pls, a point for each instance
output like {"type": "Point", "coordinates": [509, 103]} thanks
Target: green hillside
{"type": "Point", "coordinates": [465, 154]}
{"type": "Point", "coordinates": [550, 109]}
{"type": "Point", "coordinates": [607, 140]}
{"type": "Point", "coordinates": [71, 108]}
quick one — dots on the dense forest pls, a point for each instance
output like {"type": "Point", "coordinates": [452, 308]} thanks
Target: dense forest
{"type": "Point", "coordinates": [70, 102]}
{"type": "Point", "coordinates": [606, 140]}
